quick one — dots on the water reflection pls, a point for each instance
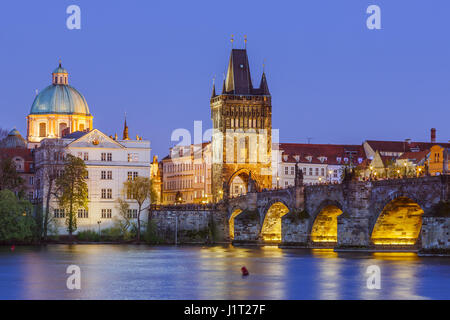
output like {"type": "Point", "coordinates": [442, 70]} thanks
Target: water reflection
{"type": "Point", "coordinates": [143, 272]}
{"type": "Point", "coordinates": [329, 278]}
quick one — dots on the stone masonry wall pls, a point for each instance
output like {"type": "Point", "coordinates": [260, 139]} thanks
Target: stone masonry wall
{"type": "Point", "coordinates": [435, 234]}
{"type": "Point", "coordinates": [194, 226]}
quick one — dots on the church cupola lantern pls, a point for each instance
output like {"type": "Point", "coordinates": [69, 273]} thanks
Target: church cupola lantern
{"type": "Point", "coordinates": [60, 76]}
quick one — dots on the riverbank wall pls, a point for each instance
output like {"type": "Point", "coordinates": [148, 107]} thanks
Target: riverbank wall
{"type": "Point", "coordinates": [197, 225]}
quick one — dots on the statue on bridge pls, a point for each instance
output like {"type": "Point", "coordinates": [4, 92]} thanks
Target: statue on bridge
{"type": "Point", "coordinates": [298, 176]}
{"type": "Point", "coordinates": [251, 186]}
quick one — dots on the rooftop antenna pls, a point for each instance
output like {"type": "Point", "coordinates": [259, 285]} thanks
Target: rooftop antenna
{"type": "Point", "coordinates": [232, 40]}
{"type": "Point", "coordinates": [245, 41]}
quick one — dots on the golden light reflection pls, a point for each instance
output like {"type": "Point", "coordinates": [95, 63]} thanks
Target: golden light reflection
{"type": "Point", "coordinates": [398, 224]}
{"type": "Point", "coordinates": [231, 222]}
{"type": "Point", "coordinates": [271, 229]}
{"type": "Point", "coordinates": [325, 225]}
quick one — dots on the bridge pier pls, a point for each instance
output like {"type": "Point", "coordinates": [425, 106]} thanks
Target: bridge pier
{"type": "Point", "coordinates": [353, 232]}
{"type": "Point", "coordinates": [247, 227]}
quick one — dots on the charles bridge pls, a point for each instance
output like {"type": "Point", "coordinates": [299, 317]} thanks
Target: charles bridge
{"type": "Point", "coordinates": [353, 214]}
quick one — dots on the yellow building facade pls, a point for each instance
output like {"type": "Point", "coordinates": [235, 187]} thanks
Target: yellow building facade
{"type": "Point", "coordinates": [438, 160]}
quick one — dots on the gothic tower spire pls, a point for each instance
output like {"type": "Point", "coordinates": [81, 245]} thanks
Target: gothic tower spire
{"type": "Point", "coordinates": [125, 130]}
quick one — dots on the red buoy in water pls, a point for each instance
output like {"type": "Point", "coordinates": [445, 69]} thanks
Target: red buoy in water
{"type": "Point", "coordinates": [12, 248]}
{"type": "Point", "coordinates": [244, 271]}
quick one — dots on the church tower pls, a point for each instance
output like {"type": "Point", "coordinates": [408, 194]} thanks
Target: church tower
{"type": "Point", "coordinates": [242, 131]}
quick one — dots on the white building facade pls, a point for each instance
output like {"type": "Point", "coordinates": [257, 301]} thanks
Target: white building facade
{"type": "Point", "coordinates": [109, 163]}
{"type": "Point", "coordinates": [320, 163]}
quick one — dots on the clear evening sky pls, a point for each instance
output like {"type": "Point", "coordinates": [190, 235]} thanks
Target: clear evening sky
{"type": "Point", "coordinates": [330, 77]}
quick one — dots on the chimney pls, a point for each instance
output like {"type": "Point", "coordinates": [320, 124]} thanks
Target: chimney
{"type": "Point", "coordinates": [433, 135]}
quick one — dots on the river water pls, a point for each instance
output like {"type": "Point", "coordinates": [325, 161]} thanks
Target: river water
{"type": "Point", "coordinates": [146, 272]}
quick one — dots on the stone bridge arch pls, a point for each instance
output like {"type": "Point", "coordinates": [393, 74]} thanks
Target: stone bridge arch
{"type": "Point", "coordinates": [322, 224]}
{"type": "Point", "coordinates": [271, 219]}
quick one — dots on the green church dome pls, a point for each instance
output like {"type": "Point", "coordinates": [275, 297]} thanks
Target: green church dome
{"type": "Point", "coordinates": [60, 99]}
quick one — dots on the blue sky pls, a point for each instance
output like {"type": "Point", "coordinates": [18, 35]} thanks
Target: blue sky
{"type": "Point", "coordinates": [330, 77]}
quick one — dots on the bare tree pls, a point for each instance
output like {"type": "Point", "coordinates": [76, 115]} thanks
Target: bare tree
{"type": "Point", "coordinates": [3, 133]}
{"type": "Point", "coordinates": [49, 159]}
{"type": "Point", "coordinates": [139, 190]}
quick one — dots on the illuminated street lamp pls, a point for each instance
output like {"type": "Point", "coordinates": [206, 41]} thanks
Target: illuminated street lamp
{"type": "Point", "coordinates": [278, 179]}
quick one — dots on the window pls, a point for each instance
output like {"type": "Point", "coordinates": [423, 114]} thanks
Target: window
{"type": "Point", "coordinates": [106, 193]}
{"type": "Point", "coordinates": [42, 130]}
{"type": "Point", "coordinates": [31, 180]}
{"type": "Point", "coordinates": [286, 184]}
{"type": "Point", "coordinates": [106, 156]}
{"type": "Point", "coordinates": [106, 175]}
{"type": "Point", "coordinates": [80, 155]}
{"type": "Point", "coordinates": [83, 214]}
{"type": "Point", "coordinates": [131, 175]}
{"type": "Point", "coordinates": [59, 213]}
{"type": "Point", "coordinates": [292, 171]}
{"type": "Point", "coordinates": [132, 213]}
{"type": "Point", "coordinates": [317, 171]}
{"type": "Point", "coordinates": [286, 170]}
{"type": "Point", "coordinates": [322, 172]}
{"type": "Point", "coordinates": [310, 171]}
{"type": "Point", "coordinates": [87, 175]}
{"type": "Point", "coordinates": [106, 213]}
{"type": "Point", "coordinates": [86, 156]}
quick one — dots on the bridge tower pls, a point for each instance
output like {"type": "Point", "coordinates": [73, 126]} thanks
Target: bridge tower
{"type": "Point", "coordinates": [242, 129]}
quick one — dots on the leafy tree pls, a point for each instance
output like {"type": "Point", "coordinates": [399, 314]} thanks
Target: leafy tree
{"type": "Point", "coordinates": [9, 177]}
{"type": "Point", "coordinates": [72, 190]}
{"type": "Point", "coordinates": [139, 190]}
{"type": "Point", "coordinates": [16, 222]}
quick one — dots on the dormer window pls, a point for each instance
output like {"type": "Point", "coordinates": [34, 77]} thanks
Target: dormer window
{"type": "Point", "coordinates": [285, 158]}
{"type": "Point", "coordinates": [338, 159]}
{"type": "Point", "coordinates": [322, 159]}
{"type": "Point", "coordinates": [345, 160]}
{"type": "Point", "coordinates": [309, 158]}
{"type": "Point", "coordinates": [297, 158]}
{"type": "Point", "coordinates": [360, 160]}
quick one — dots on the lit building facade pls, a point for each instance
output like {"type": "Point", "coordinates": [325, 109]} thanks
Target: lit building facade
{"type": "Point", "coordinates": [186, 174]}
{"type": "Point", "coordinates": [57, 110]}
{"type": "Point", "coordinates": [320, 163]}
{"type": "Point", "coordinates": [109, 164]}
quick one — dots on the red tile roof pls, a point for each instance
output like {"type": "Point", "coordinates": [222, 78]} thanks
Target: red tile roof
{"type": "Point", "coordinates": [403, 146]}
{"type": "Point", "coordinates": [330, 151]}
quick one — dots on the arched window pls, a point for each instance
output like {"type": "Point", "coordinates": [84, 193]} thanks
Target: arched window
{"type": "Point", "coordinates": [42, 130]}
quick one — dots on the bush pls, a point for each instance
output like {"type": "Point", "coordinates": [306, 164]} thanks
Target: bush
{"type": "Point", "coordinates": [112, 234]}
{"type": "Point", "coordinates": [88, 235]}
{"type": "Point", "coordinates": [151, 235]}
{"type": "Point", "coordinates": [16, 221]}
